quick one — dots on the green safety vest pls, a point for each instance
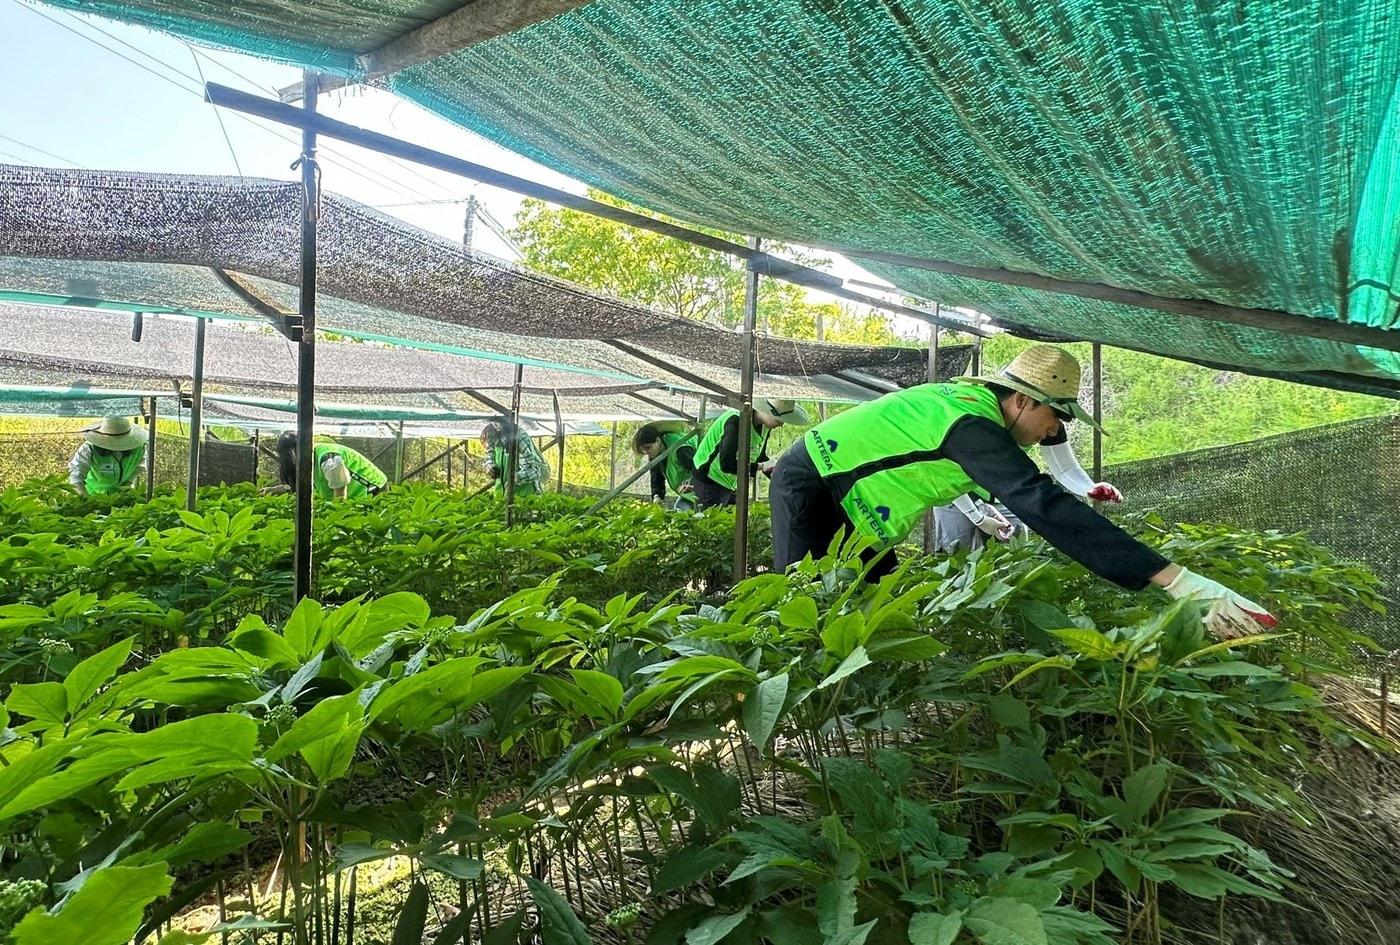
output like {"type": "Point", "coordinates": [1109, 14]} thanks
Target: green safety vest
{"type": "Point", "coordinates": [707, 463]}
{"type": "Point", "coordinates": [882, 459]}
{"type": "Point", "coordinates": [524, 485]}
{"type": "Point", "coordinates": [677, 472]}
{"type": "Point", "coordinates": [111, 470]}
{"type": "Point", "coordinates": [364, 475]}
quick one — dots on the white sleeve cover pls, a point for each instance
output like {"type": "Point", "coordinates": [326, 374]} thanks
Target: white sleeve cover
{"type": "Point", "coordinates": [1065, 469]}
{"type": "Point", "coordinates": [967, 505]}
{"type": "Point", "coordinates": [335, 471]}
{"type": "Point", "coordinates": [80, 463]}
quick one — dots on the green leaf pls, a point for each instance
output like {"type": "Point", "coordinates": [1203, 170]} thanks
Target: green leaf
{"type": "Point", "coordinates": [1089, 643]}
{"type": "Point", "coordinates": [842, 634]}
{"type": "Point", "coordinates": [413, 917]}
{"type": "Point", "coordinates": [712, 930]}
{"type": "Point", "coordinates": [107, 909]}
{"type": "Point", "coordinates": [686, 866]}
{"type": "Point", "coordinates": [83, 680]}
{"type": "Point", "coordinates": [302, 630]}
{"type": "Point", "coordinates": [1142, 788]}
{"type": "Point", "coordinates": [558, 924]}
{"type": "Point", "coordinates": [932, 928]}
{"type": "Point", "coordinates": [856, 935]}
{"type": "Point", "coordinates": [253, 637]}
{"type": "Point", "coordinates": [763, 708]}
{"type": "Point", "coordinates": [458, 867]}
{"type": "Point", "coordinates": [998, 921]}
{"type": "Point", "coordinates": [505, 932]}
{"type": "Point", "coordinates": [1050, 662]}
{"type": "Point", "coordinates": [910, 648]}
{"type": "Point", "coordinates": [856, 661]}
{"type": "Point", "coordinates": [800, 613]}
{"type": "Point", "coordinates": [42, 702]}
{"type": "Point", "coordinates": [603, 689]}
{"type": "Point", "coordinates": [1223, 645]}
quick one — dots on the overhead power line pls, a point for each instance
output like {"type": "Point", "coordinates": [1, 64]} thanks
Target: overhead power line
{"type": "Point", "coordinates": [196, 88]}
{"type": "Point", "coordinates": [39, 150]}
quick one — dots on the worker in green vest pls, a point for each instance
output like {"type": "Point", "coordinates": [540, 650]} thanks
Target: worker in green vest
{"type": "Point", "coordinates": [338, 472]}
{"type": "Point", "coordinates": [716, 474]}
{"type": "Point", "coordinates": [531, 468]}
{"type": "Point", "coordinates": [875, 469]}
{"type": "Point", "coordinates": [109, 458]}
{"type": "Point", "coordinates": [653, 439]}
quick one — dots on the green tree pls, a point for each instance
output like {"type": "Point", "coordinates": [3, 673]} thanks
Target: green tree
{"type": "Point", "coordinates": [680, 278]}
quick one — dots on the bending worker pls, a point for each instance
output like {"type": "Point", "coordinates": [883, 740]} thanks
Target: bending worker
{"type": "Point", "coordinates": [109, 458]}
{"type": "Point", "coordinates": [877, 467]}
{"type": "Point", "coordinates": [338, 472]}
{"type": "Point", "coordinates": [717, 457]}
{"type": "Point", "coordinates": [653, 439]}
{"type": "Point", "coordinates": [531, 469]}
{"type": "Point", "coordinates": [970, 521]}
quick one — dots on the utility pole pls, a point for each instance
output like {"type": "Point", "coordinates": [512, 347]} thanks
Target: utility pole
{"type": "Point", "coordinates": [469, 222]}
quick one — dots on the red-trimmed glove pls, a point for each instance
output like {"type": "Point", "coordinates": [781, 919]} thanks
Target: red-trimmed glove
{"type": "Point", "coordinates": [1229, 615]}
{"type": "Point", "coordinates": [1104, 492]}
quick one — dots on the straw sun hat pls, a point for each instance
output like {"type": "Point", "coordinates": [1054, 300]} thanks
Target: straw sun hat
{"type": "Point", "coordinates": [115, 433]}
{"type": "Point", "coordinates": [786, 411]}
{"type": "Point", "coordinates": [1046, 374]}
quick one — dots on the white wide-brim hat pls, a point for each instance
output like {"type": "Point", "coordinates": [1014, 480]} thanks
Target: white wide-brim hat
{"type": "Point", "coordinates": [115, 433]}
{"type": "Point", "coordinates": [1046, 374]}
{"type": "Point", "coordinates": [786, 411]}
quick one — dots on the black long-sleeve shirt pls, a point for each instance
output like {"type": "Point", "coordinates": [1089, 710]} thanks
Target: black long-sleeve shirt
{"type": "Point", "coordinates": [992, 459]}
{"type": "Point", "coordinates": [686, 455]}
{"type": "Point", "coordinates": [727, 454]}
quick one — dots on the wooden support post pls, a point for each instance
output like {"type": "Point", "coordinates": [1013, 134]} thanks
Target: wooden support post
{"type": "Point", "coordinates": [196, 414]}
{"type": "Point", "coordinates": [306, 346]}
{"type": "Point", "coordinates": [151, 452]}
{"type": "Point", "coordinates": [932, 379]}
{"type": "Point", "coordinates": [746, 366]}
{"type": "Point", "coordinates": [612, 457]}
{"type": "Point", "coordinates": [559, 436]}
{"type": "Point", "coordinates": [1098, 412]}
{"type": "Point", "coordinates": [1385, 703]}
{"type": "Point", "coordinates": [513, 449]}
{"type": "Point", "coordinates": [398, 454]}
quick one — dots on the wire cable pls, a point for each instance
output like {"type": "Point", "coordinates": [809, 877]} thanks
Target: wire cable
{"type": "Point", "coordinates": [25, 144]}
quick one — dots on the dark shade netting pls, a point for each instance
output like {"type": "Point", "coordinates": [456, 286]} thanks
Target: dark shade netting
{"type": "Point", "coordinates": [252, 226]}
{"type": "Point", "coordinates": [1339, 483]}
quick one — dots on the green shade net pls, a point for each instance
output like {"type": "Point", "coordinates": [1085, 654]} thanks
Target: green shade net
{"type": "Point", "coordinates": [1244, 153]}
{"type": "Point", "coordinates": [1336, 482]}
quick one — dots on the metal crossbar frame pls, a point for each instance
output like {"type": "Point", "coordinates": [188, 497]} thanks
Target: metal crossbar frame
{"type": "Point", "coordinates": [795, 273]}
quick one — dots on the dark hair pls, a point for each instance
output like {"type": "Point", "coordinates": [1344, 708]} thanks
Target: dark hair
{"type": "Point", "coordinates": [1001, 392]}
{"type": "Point", "coordinates": [287, 458]}
{"type": "Point", "coordinates": [646, 435]}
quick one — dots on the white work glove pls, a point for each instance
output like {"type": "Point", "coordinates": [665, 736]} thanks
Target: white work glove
{"type": "Point", "coordinates": [988, 520]}
{"type": "Point", "coordinates": [1229, 615]}
{"type": "Point", "coordinates": [336, 472]}
{"type": "Point", "coordinates": [1064, 468]}
{"type": "Point", "coordinates": [767, 468]}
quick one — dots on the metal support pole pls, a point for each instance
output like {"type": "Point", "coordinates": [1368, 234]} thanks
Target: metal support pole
{"type": "Point", "coordinates": [746, 365]}
{"type": "Point", "coordinates": [451, 448]}
{"type": "Point", "coordinates": [976, 366]}
{"type": "Point", "coordinates": [1385, 703]}
{"type": "Point", "coordinates": [1098, 411]}
{"type": "Point", "coordinates": [151, 453]}
{"type": "Point", "coordinates": [559, 436]}
{"type": "Point", "coordinates": [612, 459]}
{"type": "Point", "coordinates": [932, 379]}
{"type": "Point", "coordinates": [196, 413]}
{"type": "Point", "coordinates": [398, 454]}
{"type": "Point", "coordinates": [513, 450]}
{"type": "Point", "coordinates": [306, 347]}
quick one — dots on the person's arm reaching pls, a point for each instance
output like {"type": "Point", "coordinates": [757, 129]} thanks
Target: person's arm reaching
{"type": "Point", "coordinates": [658, 482]}
{"type": "Point", "coordinates": [991, 458]}
{"type": "Point", "coordinates": [987, 519]}
{"type": "Point", "coordinates": [1064, 467]}
{"type": "Point", "coordinates": [78, 468]}
{"type": "Point", "coordinates": [337, 475]}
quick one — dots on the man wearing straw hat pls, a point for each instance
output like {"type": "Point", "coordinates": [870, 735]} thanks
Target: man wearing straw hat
{"type": "Point", "coordinates": [876, 468]}
{"type": "Point", "coordinates": [716, 477]}
{"type": "Point", "coordinates": [109, 458]}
